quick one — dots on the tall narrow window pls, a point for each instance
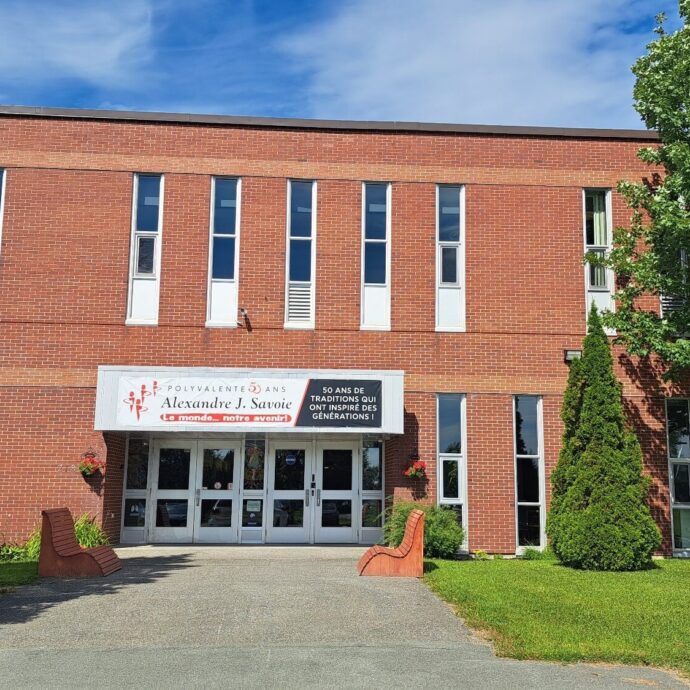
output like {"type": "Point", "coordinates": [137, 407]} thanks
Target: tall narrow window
{"type": "Point", "coordinates": [598, 279]}
{"type": "Point", "coordinates": [3, 178]}
{"type": "Point", "coordinates": [450, 258]}
{"type": "Point", "coordinates": [223, 252]}
{"type": "Point", "coordinates": [678, 429]}
{"type": "Point", "coordinates": [144, 270]}
{"type": "Point", "coordinates": [134, 500]}
{"type": "Point", "coordinates": [529, 471]}
{"type": "Point", "coordinates": [671, 302]}
{"type": "Point", "coordinates": [301, 246]}
{"type": "Point", "coordinates": [451, 453]}
{"type": "Point", "coordinates": [376, 256]}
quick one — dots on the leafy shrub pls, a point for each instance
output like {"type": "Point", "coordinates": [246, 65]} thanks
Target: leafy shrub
{"type": "Point", "coordinates": [443, 535]}
{"type": "Point", "coordinates": [538, 555]}
{"type": "Point", "coordinates": [88, 534]}
{"type": "Point", "coordinates": [599, 517]}
{"type": "Point", "coordinates": [480, 555]}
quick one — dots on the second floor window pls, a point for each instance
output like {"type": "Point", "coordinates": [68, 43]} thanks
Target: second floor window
{"type": "Point", "coordinates": [450, 258]}
{"type": "Point", "coordinates": [598, 279]}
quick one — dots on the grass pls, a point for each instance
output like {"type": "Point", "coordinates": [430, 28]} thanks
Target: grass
{"type": "Point", "coordinates": [14, 573]}
{"type": "Point", "coordinates": [542, 610]}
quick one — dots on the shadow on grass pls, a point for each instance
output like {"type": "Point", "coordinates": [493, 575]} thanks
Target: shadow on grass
{"type": "Point", "coordinates": [429, 567]}
{"type": "Point", "coordinates": [27, 603]}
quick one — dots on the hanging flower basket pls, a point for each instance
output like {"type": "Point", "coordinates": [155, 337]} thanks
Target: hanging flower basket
{"type": "Point", "coordinates": [417, 470]}
{"type": "Point", "coordinates": [90, 464]}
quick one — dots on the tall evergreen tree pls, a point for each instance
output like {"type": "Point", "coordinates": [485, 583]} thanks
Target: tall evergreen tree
{"type": "Point", "coordinates": [599, 519]}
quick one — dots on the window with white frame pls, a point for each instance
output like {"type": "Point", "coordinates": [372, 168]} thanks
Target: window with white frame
{"type": "Point", "coordinates": [144, 269]}
{"type": "Point", "coordinates": [223, 252]}
{"type": "Point", "coordinates": [450, 258]}
{"type": "Point", "coordinates": [134, 508]}
{"type": "Point", "coordinates": [451, 465]}
{"type": "Point", "coordinates": [529, 471]}
{"type": "Point", "coordinates": [598, 238]}
{"type": "Point", "coordinates": [3, 178]}
{"type": "Point", "coordinates": [301, 253]}
{"type": "Point", "coordinates": [678, 429]}
{"type": "Point", "coordinates": [376, 255]}
{"type": "Point", "coordinates": [372, 491]}
{"type": "Point", "coordinates": [670, 302]}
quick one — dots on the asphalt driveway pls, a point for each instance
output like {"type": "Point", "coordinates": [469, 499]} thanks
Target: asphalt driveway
{"type": "Point", "coordinates": [257, 617]}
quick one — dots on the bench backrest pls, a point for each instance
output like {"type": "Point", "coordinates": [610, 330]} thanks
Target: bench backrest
{"type": "Point", "coordinates": [61, 525]}
{"type": "Point", "coordinates": [413, 523]}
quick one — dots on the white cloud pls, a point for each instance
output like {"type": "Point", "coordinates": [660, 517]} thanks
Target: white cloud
{"type": "Point", "coordinates": [98, 42]}
{"type": "Point", "coordinates": [541, 62]}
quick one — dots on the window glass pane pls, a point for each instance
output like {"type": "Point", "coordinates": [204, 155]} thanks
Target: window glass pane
{"type": "Point", "coordinates": [254, 450]}
{"type": "Point", "coordinates": [375, 207]}
{"type": "Point", "coordinates": [449, 214]}
{"type": "Point", "coordinates": [375, 263]}
{"type": "Point", "coordinates": [225, 206]}
{"type": "Point", "coordinates": [595, 219]}
{"type": "Point", "coordinates": [173, 468]}
{"type": "Point", "coordinates": [678, 429]}
{"type": "Point", "coordinates": [681, 529]}
{"type": "Point", "coordinates": [528, 480]}
{"type": "Point", "coordinates": [135, 512]}
{"type": "Point", "coordinates": [597, 274]}
{"type": "Point", "coordinates": [371, 468]}
{"type": "Point", "coordinates": [336, 513]}
{"type": "Point", "coordinates": [137, 463]}
{"type": "Point", "coordinates": [449, 265]}
{"type": "Point", "coordinates": [252, 512]}
{"type": "Point", "coordinates": [146, 247]}
{"type": "Point", "coordinates": [171, 512]}
{"type": "Point", "coordinates": [529, 526]}
{"type": "Point", "coordinates": [526, 437]}
{"type": "Point", "coordinates": [300, 209]}
{"type": "Point", "coordinates": [372, 512]}
{"type": "Point", "coordinates": [219, 465]}
{"type": "Point", "coordinates": [289, 473]}
{"type": "Point", "coordinates": [288, 513]}
{"type": "Point", "coordinates": [451, 486]}
{"type": "Point", "coordinates": [148, 200]}
{"type": "Point", "coordinates": [300, 260]}
{"type": "Point", "coordinates": [223, 258]}
{"type": "Point", "coordinates": [449, 432]}
{"type": "Point", "coordinates": [681, 483]}
{"type": "Point", "coordinates": [337, 469]}
{"type": "Point", "coordinates": [216, 513]}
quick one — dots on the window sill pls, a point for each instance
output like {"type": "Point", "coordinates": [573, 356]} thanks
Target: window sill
{"type": "Point", "coordinates": [450, 329]}
{"type": "Point", "coordinates": [220, 324]}
{"type": "Point", "coordinates": [140, 322]}
{"type": "Point", "coordinates": [293, 326]}
{"type": "Point", "coordinates": [364, 327]}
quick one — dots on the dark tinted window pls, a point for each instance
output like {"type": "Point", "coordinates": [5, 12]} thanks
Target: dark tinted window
{"type": "Point", "coordinates": [678, 431]}
{"type": "Point", "coordinates": [300, 260]}
{"type": "Point", "coordinates": [225, 206]}
{"type": "Point", "coordinates": [223, 258]}
{"type": "Point", "coordinates": [375, 263]}
{"type": "Point", "coordinates": [526, 436]}
{"type": "Point", "coordinates": [375, 212]}
{"type": "Point", "coordinates": [148, 202]}
{"type": "Point", "coordinates": [449, 214]}
{"type": "Point", "coordinates": [300, 209]}
{"type": "Point", "coordinates": [528, 480]}
{"type": "Point", "coordinates": [449, 432]}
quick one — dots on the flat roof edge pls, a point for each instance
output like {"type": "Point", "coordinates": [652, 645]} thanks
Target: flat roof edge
{"type": "Point", "coordinates": [352, 125]}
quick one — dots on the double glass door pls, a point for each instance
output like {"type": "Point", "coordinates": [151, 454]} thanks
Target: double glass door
{"type": "Point", "coordinates": [312, 493]}
{"type": "Point", "coordinates": [195, 492]}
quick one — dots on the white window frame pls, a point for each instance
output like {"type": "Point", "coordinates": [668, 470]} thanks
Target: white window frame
{"type": "Point", "coordinates": [136, 535]}
{"type": "Point", "coordinates": [591, 293]}
{"type": "Point", "coordinates": [231, 322]}
{"type": "Point", "coordinates": [459, 247]}
{"type": "Point", "coordinates": [134, 250]}
{"type": "Point", "coordinates": [3, 184]}
{"type": "Point", "coordinates": [303, 325]}
{"type": "Point", "coordinates": [541, 474]}
{"type": "Point", "coordinates": [461, 459]}
{"type": "Point", "coordinates": [371, 535]}
{"type": "Point", "coordinates": [683, 553]}
{"type": "Point", "coordinates": [387, 241]}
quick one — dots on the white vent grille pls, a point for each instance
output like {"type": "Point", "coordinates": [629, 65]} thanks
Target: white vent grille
{"type": "Point", "coordinates": [299, 302]}
{"type": "Point", "coordinates": [670, 304]}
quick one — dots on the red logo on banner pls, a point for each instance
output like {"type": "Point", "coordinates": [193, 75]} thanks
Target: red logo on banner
{"type": "Point", "coordinates": [136, 402]}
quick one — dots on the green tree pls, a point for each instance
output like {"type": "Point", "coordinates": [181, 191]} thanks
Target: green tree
{"type": "Point", "coordinates": [599, 519]}
{"type": "Point", "coordinates": [650, 258]}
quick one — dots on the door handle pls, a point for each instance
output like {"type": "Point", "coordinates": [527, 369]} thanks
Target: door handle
{"type": "Point", "coordinates": [318, 497]}
{"type": "Point", "coordinates": [198, 496]}
{"type": "Point", "coordinates": [306, 497]}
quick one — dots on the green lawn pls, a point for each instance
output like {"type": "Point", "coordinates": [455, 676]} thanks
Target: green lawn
{"type": "Point", "coordinates": [13, 573]}
{"type": "Point", "coordinates": [542, 610]}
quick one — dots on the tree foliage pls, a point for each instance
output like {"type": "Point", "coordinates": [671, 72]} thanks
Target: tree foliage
{"type": "Point", "coordinates": [599, 519]}
{"type": "Point", "coordinates": [648, 256]}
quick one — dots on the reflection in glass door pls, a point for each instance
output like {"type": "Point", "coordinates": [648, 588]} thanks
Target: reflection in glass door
{"type": "Point", "coordinates": [336, 479]}
{"type": "Point", "coordinates": [289, 489]}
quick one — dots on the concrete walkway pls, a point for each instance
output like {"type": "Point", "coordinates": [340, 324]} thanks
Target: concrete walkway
{"type": "Point", "coordinates": [259, 617]}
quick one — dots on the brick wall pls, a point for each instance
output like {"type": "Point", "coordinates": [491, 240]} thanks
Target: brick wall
{"type": "Point", "coordinates": [63, 289]}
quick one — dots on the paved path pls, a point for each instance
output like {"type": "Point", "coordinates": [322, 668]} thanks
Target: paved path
{"type": "Point", "coordinates": [258, 617]}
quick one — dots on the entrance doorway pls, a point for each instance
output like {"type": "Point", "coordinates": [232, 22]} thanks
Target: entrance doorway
{"type": "Point", "coordinates": [195, 486]}
{"type": "Point", "coordinates": [312, 492]}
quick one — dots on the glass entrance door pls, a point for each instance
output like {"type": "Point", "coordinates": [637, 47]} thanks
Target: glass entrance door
{"type": "Point", "coordinates": [195, 492]}
{"type": "Point", "coordinates": [336, 482]}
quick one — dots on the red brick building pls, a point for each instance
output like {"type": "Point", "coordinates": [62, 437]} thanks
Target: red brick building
{"type": "Point", "coordinates": [260, 324]}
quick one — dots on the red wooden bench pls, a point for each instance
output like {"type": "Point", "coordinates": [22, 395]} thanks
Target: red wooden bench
{"type": "Point", "coordinates": [61, 555]}
{"type": "Point", "coordinates": [405, 561]}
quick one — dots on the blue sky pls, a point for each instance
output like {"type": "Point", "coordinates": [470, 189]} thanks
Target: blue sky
{"type": "Point", "coordinates": [525, 62]}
